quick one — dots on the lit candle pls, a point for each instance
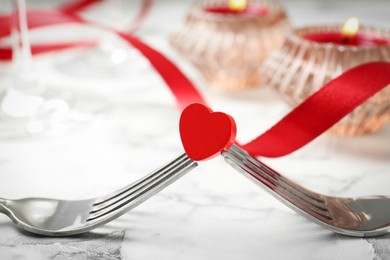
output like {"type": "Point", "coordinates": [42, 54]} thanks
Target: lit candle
{"type": "Point", "coordinates": [239, 7]}
{"type": "Point", "coordinates": [312, 56]}
{"type": "Point", "coordinates": [227, 41]}
{"type": "Point", "coordinates": [349, 35]}
{"type": "Point", "coordinates": [350, 29]}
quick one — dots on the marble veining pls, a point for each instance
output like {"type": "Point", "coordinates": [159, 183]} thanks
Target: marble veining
{"type": "Point", "coordinates": [20, 245]}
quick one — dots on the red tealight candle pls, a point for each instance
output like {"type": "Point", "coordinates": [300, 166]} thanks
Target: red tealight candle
{"type": "Point", "coordinates": [238, 7]}
{"type": "Point", "coordinates": [314, 55]}
{"type": "Point", "coordinates": [228, 40]}
{"type": "Point", "coordinates": [359, 39]}
{"type": "Point", "coordinates": [250, 9]}
{"type": "Point", "coordinates": [348, 36]}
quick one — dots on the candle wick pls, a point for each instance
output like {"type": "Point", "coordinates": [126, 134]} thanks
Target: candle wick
{"type": "Point", "coordinates": [346, 40]}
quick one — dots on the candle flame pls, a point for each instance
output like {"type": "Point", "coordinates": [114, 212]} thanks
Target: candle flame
{"type": "Point", "coordinates": [237, 5]}
{"type": "Point", "coordinates": [351, 27]}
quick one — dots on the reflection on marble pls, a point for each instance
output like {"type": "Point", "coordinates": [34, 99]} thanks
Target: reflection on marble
{"type": "Point", "coordinates": [213, 212]}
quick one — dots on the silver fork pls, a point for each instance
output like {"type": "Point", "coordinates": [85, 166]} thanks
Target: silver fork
{"type": "Point", "coordinates": [360, 217]}
{"type": "Point", "coordinates": [52, 217]}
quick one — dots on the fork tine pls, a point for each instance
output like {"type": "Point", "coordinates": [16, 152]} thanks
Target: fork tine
{"type": "Point", "coordinates": [139, 185]}
{"type": "Point", "coordinates": [275, 175]}
{"type": "Point", "coordinates": [280, 191]}
{"type": "Point", "coordinates": [144, 189]}
{"type": "Point", "coordinates": [113, 197]}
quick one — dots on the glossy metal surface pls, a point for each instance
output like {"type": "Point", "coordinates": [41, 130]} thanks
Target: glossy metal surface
{"type": "Point", "coordinates": [360, 217]}
{"type": "Point", "coordinates": [61, 217]}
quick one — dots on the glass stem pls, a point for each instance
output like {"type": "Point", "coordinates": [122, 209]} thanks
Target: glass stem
{"type": "Point", "coordinates": [21, 49]}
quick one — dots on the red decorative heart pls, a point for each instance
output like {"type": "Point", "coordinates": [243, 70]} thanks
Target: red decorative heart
{"type": "Point", "coordinates": [204, 133]}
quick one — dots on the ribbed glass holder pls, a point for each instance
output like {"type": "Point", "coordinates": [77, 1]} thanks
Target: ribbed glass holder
{"type": "Point", "coordinates": [301, 67]}
{"type": "Point", "coordinates": [228, 48]}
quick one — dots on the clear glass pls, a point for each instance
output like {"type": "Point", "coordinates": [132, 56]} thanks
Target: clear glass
{"type": "Point", "coordinates": [301, 67]}
{"type": "Point", "coordinates": [111, 57]}
{"type": "Point", "coordinates": [27, 106]}
{"type": "Point", "coordinates": [228, 49]}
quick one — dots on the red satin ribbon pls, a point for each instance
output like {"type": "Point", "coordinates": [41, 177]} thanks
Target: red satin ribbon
{"type": "Point", "coordinates": [143, 13]}
{"type": "Point", "coordinates": [6, 53]}
{"type": "Point", "coordinates": [77, 5]}
{"type": "Point", "coordinates": [35, 20]}
{"type": "Point", "coordinates": [65, 14]}
{"type": "Point", "coordinates": [306, 122]}
{"type": "Point", "coordinates": [322, 110]}
{"type": "Point", "coordinates": [181, 87]}
{"type": "Point", "coordinates": [40, 18]}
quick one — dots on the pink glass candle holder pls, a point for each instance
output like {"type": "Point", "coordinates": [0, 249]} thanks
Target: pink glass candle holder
{"type": "Point", "coordinates": [227, 46]}
{"type": "Point", "coordinates": [312, 56]}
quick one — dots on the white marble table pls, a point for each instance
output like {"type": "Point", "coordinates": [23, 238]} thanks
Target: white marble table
{"type": "Point", "coordinates": [213, 212]}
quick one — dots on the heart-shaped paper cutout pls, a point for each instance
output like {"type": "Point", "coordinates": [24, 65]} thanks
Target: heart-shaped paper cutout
{"type": "Point", "coordinates": [204, 133]}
